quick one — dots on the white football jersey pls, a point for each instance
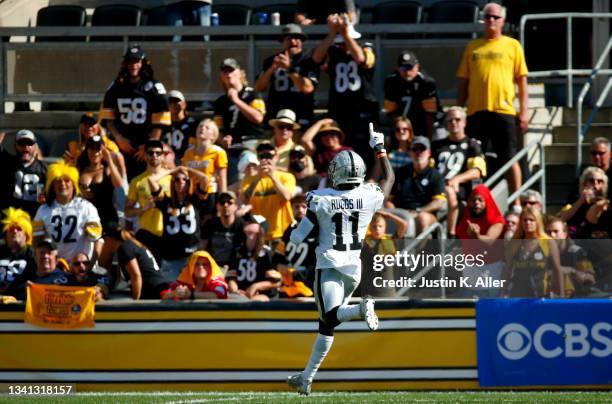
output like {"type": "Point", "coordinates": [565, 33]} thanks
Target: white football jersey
{"type": "Point", "coordinates": [73, 226]}
{"type": "Point", "coordinates": [343, 218]}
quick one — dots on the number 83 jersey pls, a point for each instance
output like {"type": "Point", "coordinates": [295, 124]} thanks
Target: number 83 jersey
{"type": "Point", "coordinates": [73, 226]}
{"type": "Point", "coordinates": [343, 218]}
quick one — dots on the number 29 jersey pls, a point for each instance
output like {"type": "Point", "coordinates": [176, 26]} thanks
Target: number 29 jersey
{"type": "Point", "coordinates": [343, 218]}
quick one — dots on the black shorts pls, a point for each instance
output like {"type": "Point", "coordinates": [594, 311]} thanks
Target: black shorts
{"type": "Point", "coordinates": [501, 130]}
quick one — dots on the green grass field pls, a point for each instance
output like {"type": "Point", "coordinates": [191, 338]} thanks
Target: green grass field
{"type": "Point", "coordinates": [324, 397]}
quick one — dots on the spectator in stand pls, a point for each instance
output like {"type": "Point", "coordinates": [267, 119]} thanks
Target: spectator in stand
{"type": "Point", "coordinates": [239, 113]}
{"type": "Point", "coordinates": [17, 263]}
{"type": "Point", "coordinates": [88, 128]}
{"type": "Point", "coordinates": [301, 166]}
{"type": "Point", "coordinates": [594, 188]}
{"type": "Point", "coordinates": [310, 12]}
{"type": "Point", "coordinates": [223, 234]}
{"type": "Point", "coordinates": [247, 167]}
{"type": "Point", "coordinates": [292, 77]}
{"type": "Point", "coordinates": [488, 72]}
{"type": "Point", "coordinates": [49, 269]}
{"type": "Point", "coordinates": [323, 140]}
{"type": "Point", "coordinates": [531, 197]}
{"type": "Point", "coordinates": [99, 177]}
{"type": "Point", "coordinates": [23, 175]}
{"type": "Point", "coordinates": [68, 219]}
{"type": "Point", "coordinates": [86, 274]}
{"type": "Point", "coordinates": [181, 134]}
{"type": "Point", "coordinates": [181, 216]}
{"type": "Point", "coordinates": [419, 188]}
{"type": "Point", "coordinates": [270, 192]}
{"type": "Point", "coordinates": [200, 279]}
{"type": "Point", "coordinates": [140, 204]}
{"type": "Point", "coordinates": [351, 102]}
{"type": "Point", "coordinates": [512, 219]}
{"type": "Point", "coordinates": [403, 134]}
{"type": "Point", "coordinates": [284, 126]}
{"type": "Point", "coordinates": [460, 160]}
{"type": "Point", "coordinates": [579, 275]}
{"type": "Point", "coordinates": [598, 224]}
{"type": "Point", "coordinates": [481, 229]}
{"type": "Point", "coordinates": [412, 94]}
{"type": "Point", "coordinates": [533, 267]}
{"type": "Point", "coordinates": [252, 272]}
{"type": "Point", "coordinates": [137, 264]}
{"type": "Point", "coordinates": [209, 159]}
{"type": "Point", "coordinates": [135, 108]}
{"type": "Point", "coordinates": [600, 157]}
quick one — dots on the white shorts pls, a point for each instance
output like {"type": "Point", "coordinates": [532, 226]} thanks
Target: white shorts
{"type": "Point", "coordinates": [332, 288]}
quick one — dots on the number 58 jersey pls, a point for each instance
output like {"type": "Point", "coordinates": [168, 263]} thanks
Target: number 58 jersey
{"type": "Point", "coordinates": [343, 218]}
{"type": "Point", "coordinates": [73, 226]}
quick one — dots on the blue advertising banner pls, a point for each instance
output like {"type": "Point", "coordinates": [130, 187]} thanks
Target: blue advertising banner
{"type": "Point", "coordinates": [536, 342]}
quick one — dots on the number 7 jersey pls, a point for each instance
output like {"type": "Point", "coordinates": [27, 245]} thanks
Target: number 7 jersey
{"type": "Point", "coordinates": [343, 218]}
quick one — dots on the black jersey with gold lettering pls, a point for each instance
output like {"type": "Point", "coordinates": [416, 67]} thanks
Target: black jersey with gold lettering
{"type": "Point", "coordinates": [455, 157]}
{"type": "Point", "coordinates": [232, 122]}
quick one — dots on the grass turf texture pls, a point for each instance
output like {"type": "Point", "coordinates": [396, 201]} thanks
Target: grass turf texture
{"type": "Point", "coordinates": [323, 397]}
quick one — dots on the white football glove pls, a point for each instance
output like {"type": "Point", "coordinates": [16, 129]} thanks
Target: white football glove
{"type": "Point", "coordinates": [377, 139]}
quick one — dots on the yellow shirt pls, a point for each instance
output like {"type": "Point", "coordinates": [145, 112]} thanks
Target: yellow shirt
{"type": "Point", "coordinates": [492, 66]}
{"type": "Point", "coordinates": [208, 163]}
{"type": "Point", "coordinates": [269, 203]}
{"type": "Point", "coordinates": [283, 154]}
{"type": "Point", "coordinates": [76, 147]}
{"type": "Point", "coordinates": [139, 191]}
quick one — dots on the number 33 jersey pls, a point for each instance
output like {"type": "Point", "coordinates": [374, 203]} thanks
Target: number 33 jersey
{"type": "Point", "coordinates": [343, 218]}
{"type": "Point", "coordinates": [73, 226]}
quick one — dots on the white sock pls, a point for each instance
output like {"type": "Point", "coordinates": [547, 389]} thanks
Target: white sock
{"type": "Point", "coordinates": [320, 349]}
{"type": "Point", "coordinates": [348, 312]}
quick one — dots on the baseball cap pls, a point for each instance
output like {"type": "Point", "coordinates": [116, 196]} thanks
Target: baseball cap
{"type": "Point", "coordinates": [134, 51]}
{"type": "Point", "coordinates": [88, 117]}
{"type": "Point", "coordinates": [231, 63]}
{"type": "Point", "coordinates": [407, 58]}
{"type": "Point", "coordinates": [25, 134]}
{"type": "Point", "coordinates": [227, 195]}
{"type": "Point", "coordinates": [246, 159]}
{"type": "Point", "coordinates": [422, 140]}
{"type": "Point", "coordinates": [298, 149]}
{"type": "Point", "coordinates": [293, 30]}
{"type": "Point", "coordinates": [94, 142]}
{"type": "Point", "coordinates": [154, 144]}
{"type": "Point", "coordinates": [265, 145]}
{"type": "Point", "coordinates": [47, 243]}
{"type": "Point", "coordinates": [176, 94]}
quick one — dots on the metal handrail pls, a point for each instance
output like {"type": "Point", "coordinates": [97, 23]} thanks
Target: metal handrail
{"type": "Point", "coordinates": [538, 175]}
{"type": "Point", "coordinates": [580, 129]}
{"type": "Point", "coordinates": [569, 72]}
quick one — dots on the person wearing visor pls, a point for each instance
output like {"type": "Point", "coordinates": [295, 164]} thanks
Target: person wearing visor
{"type": "Point", "coordinates": [22, 175]}
{"type": "Point", "coordinates": [412, 94]}
{"type": "Point", "coordinates": [135, 108]}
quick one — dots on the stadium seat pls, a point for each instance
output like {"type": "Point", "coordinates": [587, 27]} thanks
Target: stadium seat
{"type": "Point", "coordinates": [449, 11]}
{"type": "Point", "coordinates": [115, 15]}
{"type": "Point", "coordinates": [397, 12]}
{"type": "Point", "coordinates": [61, 16]}
{"type": "Point", "coordinates": [157, 16]}
{"type": "Point", "coordinates": [231, 14]}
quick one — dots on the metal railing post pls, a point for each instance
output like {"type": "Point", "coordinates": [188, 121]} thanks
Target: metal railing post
{"type": "Point", "coordinates": [570, 77]}
{"type": "Point", "coordinates": [543, 176]}
{"type": "Point", "coordinates": [3, 79]}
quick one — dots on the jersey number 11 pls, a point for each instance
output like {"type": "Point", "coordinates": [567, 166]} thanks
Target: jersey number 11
{"type": "Point", "coordinates": [338, 223]}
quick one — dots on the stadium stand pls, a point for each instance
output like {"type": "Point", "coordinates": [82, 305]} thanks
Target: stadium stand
{"type": "Point", "coordinates": [61, 16]}
{"type": "Point", "coordinates": [115, 15]}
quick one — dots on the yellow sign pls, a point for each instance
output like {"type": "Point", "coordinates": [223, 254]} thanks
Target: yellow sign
{"type": "Point", "coordinates": [63, 307]}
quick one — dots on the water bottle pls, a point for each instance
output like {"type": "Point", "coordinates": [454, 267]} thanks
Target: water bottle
{"type": "Point", "coordinates": [214, 19]}
{"type": "Point", "coordinates": [276, 19]}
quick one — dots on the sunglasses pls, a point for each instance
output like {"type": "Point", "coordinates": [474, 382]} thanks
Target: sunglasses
{"type": "Point", "coordinates": [84, 263]}
{"type": "Point", "coordinates": [453, 120]}
{"type": "Point", "coordinates": [181, 179]}
{"type": "Point", "coordinates": [418, 149]}
{"type": "Point", "coordinates": [402, 129]}
{"type": "Point", "coordinates": [597, 153]}
{"type": "Point", "coordinates": [226, 202]}
{"type": "Point", "coordinates": [284, 127]}
{"type": "Point", "coordinates": [528, 203]}
{"type": "Point", "coordinates": [263, 156]}
{"type": "Point", "coordinates": [491, 16]}
{"type": "Point", "coordinates": [155, 153]}
{"type": "Point", "coordinates": [595, 180]}
{"type": "Point", "coordinates": [25, 142]}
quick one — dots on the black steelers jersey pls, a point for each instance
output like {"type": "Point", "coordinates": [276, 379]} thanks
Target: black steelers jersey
{"type": "Point", "coordinates": [136, 108]}
{"type": "Point", "coordinates": [413, 99]}
{"type": "Point", "coordinates": [454, 157]}
{"type": "Point", "coordinates": [284, 94]}
{"type": "Point", "coordinates": [181, 227]}
{"type": "Point", "coordinates": [178, 135]}
{"type": "Point", "coordinates": [246, 270]}
{"type": "Point", "coordinates": [21, 184]}
{"type": "Point", "coordinates": [301, 256]}
{"type": "Point", "coordinates": [15, 270]}
{"type": "Point", "coordinates": [351, 88]}
{"type": "Point", "coordinates": [232, 122]}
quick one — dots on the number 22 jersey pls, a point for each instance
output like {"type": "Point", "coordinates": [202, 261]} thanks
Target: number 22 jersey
{"type": "Point", "coordinates": [343, 218]}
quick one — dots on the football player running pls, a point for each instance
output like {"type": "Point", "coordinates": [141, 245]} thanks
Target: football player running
{"type": "Point", "coordinates": [340, 216]}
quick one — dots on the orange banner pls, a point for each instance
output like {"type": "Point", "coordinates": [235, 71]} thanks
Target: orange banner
{"type": "Point", "coordinates": [62, 307]}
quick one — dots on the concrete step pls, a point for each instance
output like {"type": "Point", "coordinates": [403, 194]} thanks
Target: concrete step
{"type": "Point", "coordinates": [564, 153]}
{"type": "Point", "coordinates": [558, 173]}
{"type": "Point", "coordinates": [567, 133]}
{"type": "Point", "coordinates": [604, 115]}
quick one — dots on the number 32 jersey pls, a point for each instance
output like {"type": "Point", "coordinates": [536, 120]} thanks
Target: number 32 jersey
{"type": "Point", "coordinates": [73, 226]}
{"type": "Point", "coordinates": [343, 218]}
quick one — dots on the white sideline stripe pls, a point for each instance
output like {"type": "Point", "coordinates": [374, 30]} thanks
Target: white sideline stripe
{"type": "Point", "coordinates": [225, 376]}
{"type": "Point", "coordinates": [247, 326]}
